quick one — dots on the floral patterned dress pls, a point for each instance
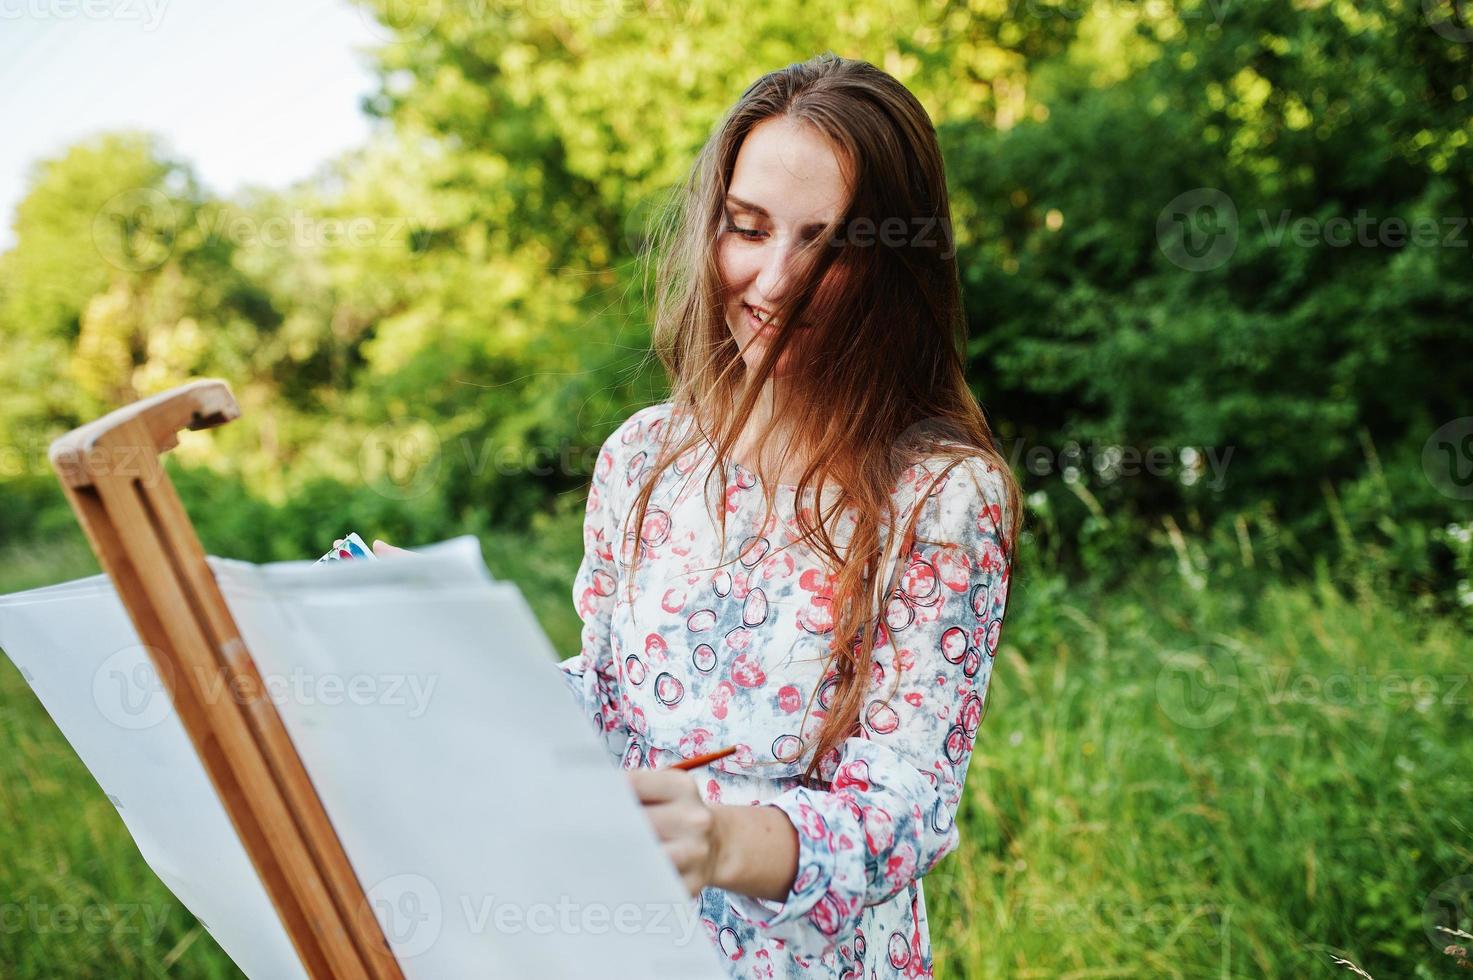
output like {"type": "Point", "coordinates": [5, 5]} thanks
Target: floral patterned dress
{"type": "Point", "coordinates": [704, 657]}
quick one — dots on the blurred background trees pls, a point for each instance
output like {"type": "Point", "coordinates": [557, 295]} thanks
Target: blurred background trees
{"type": "Point", "coordinates": [475, 269]}
{"type": "Point", "coordinates": [470, 281]}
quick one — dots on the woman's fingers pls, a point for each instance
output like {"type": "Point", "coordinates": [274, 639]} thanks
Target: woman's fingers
{"type": "Point", "coordinates": [656, 786]}
{"type": "Point", "coordinates": [681, 820]}
{"type": "Point", "coordinates": [385, 550]}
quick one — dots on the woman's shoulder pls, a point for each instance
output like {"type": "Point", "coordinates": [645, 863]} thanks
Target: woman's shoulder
{"type": "Point", "coordinates": [950, 488]}
{"type": "Point", "coordinates": [640, 430]}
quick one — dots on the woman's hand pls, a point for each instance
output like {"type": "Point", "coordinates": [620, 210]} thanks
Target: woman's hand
{"type": "Point", "coordinates": [385, 550]}
{"type": "Point", "coordinates": [687, 827]}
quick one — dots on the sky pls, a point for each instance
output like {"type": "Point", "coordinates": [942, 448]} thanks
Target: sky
{"type": "Point", "coordinates": [258, 92]}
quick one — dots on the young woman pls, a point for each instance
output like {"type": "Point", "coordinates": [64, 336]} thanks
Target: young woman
{"type": "Point", "coordinates": [806, 551]}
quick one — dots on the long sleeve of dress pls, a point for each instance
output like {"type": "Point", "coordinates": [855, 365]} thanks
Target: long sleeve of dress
{"type": "Point", "coordinates": [592, 676]}
{"type": "Point", "coordinates": [889, 813]}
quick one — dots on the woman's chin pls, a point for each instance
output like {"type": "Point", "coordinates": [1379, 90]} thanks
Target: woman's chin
{"type": "Point", "coordinates": [753, 359]}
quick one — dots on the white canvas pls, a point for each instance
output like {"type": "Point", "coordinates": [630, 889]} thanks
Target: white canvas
{"type": "Point", "coordinates": [492, 831]}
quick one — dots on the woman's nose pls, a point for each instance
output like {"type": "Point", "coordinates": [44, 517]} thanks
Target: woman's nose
{"type": "Point", "coordinates": [772, 276]}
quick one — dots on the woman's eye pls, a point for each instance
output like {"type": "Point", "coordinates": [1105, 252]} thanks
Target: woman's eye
{"type": "Point", "coordinates": [748, 233]}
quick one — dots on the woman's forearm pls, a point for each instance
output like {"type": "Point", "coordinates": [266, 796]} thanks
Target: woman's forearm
{"type": "Point", "coordinates": [757, 851]}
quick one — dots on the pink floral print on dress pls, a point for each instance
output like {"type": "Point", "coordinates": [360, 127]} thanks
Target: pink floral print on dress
{"type": "Point", "coordinates": [712, 649]}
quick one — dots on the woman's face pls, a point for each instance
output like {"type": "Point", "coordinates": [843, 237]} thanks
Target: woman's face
{"type": "Point", "coordinates": [785, 188]}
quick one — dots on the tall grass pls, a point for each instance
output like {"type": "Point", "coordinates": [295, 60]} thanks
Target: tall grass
{"type": "Point", "coordinates": [1184, 781]}
{"type": "Point", "coordinates": [1182, 773]}
{"type": "Point", "coordinates": [76, 898]}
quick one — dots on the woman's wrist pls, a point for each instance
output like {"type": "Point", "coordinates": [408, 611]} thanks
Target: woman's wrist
{"type": "Point", "coordinates": [756, 851]}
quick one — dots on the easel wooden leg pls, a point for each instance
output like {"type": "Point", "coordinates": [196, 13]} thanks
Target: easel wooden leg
{"type": "Point", "coordinates": [112, 475]}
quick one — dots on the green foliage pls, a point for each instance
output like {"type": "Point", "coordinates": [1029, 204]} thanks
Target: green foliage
{"type": "Point", "coordinates": [1281, 352]}
{"type": "Point", "coordinates": [471, 277]}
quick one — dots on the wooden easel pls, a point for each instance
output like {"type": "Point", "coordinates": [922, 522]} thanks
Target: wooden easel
{"type": "Point", "coordinates": [112, 474]}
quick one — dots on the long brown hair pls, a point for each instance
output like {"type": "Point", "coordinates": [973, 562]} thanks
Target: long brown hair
{"type": "Point", "coordinates": [882, 343]}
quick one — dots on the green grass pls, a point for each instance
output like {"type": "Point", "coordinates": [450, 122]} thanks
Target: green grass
{"type": "Point", "coordinates": [26, 566]}
{"type": "Point", "coordinates": [1119, 821]}
{"type": "Point", "coordinates": [1301, 802]}
{"type": "Point", "coordinates": [76, 898]}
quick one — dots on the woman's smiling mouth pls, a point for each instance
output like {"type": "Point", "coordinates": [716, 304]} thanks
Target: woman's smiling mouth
{"type": "Point", "coordinates": [759, 325]}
